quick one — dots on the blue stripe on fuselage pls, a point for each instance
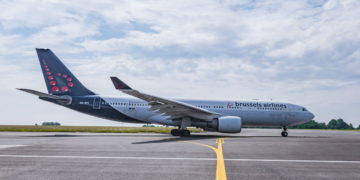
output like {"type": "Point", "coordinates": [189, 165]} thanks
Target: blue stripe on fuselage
{"type": "Point", "coordinates": [85, 104]}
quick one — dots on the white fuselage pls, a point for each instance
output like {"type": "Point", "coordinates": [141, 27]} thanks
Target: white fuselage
{"type": "Point", "coordinates": [252, 113]}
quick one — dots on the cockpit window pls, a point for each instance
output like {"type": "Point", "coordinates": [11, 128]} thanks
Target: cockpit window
{"type": "Point", "coordinates": [304, 109]}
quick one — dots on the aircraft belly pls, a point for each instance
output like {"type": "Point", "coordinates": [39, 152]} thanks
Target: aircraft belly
{"type": "Point", "coordinates": [160, 119]}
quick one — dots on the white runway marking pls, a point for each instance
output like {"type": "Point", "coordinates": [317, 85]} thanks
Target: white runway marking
{"type": "Point", "coordinates": [169, 158]}
{"type": "Point", "coordinates": [108, 157]}
{"type": "Point", "coordinates": [292, 160]}
{"type": "Point", "coordinates": [9, 146]}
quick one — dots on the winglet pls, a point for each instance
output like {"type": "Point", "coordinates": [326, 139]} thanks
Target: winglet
{"type": "Point", "coordinates": [119, 84]}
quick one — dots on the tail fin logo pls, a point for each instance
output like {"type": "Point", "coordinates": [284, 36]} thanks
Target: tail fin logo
{"type": "Point", "coordinates": [58, 81]}
{"type": "Point", "coordinates": [119, 86]}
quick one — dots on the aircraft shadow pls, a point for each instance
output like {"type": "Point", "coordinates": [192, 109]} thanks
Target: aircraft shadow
{"type": "Point", "coordinates": [97, 135]}
{"type": "Point", "coordinates": [177, 139]}
{"type": "Point", "coordinates": [167, 138]}
{"type": "Point", "coordinates": [201, 137]}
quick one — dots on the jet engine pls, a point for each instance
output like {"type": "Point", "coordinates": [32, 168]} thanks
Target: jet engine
{"type": "Point", "coordinates": [229, 124]}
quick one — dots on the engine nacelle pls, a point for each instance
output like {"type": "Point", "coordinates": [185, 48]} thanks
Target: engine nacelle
{"type": "Point", "coordinates": [229, 124]}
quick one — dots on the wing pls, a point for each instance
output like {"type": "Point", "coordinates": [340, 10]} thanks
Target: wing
{"type": "Point", "coordinates": [170, 108]}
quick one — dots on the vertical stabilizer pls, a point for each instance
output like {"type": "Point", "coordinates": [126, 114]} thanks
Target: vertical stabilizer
{"type": "Point", "coordinates": [58, 79]}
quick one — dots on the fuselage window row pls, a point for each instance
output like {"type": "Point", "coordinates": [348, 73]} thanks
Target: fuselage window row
{"type": "Point", "coordinates": [201, 106]}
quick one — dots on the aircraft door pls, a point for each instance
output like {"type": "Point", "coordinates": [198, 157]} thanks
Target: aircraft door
{"type": "Point", "coordinates": [96, 103]}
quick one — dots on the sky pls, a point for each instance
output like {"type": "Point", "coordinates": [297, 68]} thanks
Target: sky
{"type": "Point", "coordinates": [305, 52]}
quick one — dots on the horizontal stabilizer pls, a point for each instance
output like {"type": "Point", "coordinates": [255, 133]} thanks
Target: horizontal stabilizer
{"type": "Point", "coordinates": [43, 95]}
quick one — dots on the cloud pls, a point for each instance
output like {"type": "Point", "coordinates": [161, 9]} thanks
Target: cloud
{"type": "Point", "coordinates": [220, 49]}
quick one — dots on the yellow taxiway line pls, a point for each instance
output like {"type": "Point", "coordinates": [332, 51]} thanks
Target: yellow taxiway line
{"type": "Point", "coordinates": [220, 165]}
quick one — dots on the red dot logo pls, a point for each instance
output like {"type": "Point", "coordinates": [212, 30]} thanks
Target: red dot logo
{"type": "Point", "coordinates": [120, 86]}
{"type": "Point", "coordinates": [55, 89]}
{"type": "Point", "coordinates": [58, 74]}
{"type": "Point", "coordinates": [48, 73]}
{"type": "Point", "coordinates": [69, 79]}
{"type": "Point", "coordinates": [70, 84]}
{"type": "Point", "coordinates": [64, 89]}
{"type": "Point", "coordinates": [53, 83]}
{"type": "Point", "coordinates": [65, 75]}
{"type": "Point", "coordinates": [47, 69]}
{"type": "Point", "coordinates": [45, 66]}
{"type": "Point", "coordinates": [50, 77]}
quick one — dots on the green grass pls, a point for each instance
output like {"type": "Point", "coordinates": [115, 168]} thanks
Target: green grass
{"type": "Point", "coordinates": [92, 129]}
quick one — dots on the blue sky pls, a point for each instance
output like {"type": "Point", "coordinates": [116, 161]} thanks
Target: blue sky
{"type": "Point", "coordinates": [303, 52]}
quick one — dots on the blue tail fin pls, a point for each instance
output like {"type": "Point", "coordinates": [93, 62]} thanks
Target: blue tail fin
{"type": "Point", "coordinates": [59, 80]}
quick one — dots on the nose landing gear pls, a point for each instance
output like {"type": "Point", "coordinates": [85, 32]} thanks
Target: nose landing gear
{"type": "Point", "coordinates": [284, 133]}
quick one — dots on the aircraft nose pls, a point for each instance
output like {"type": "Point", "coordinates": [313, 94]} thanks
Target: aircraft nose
{"type": "Point", "coordinates": [311, 116]}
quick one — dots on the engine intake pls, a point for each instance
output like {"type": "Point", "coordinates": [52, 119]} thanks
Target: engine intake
{"type": "Point", "coordinates": [229, 124]}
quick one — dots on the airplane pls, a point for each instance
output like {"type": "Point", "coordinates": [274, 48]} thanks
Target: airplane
{"type": "Point", "coordinates": [229, 116]}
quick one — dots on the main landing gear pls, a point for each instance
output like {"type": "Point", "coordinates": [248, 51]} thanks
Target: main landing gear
{"type": "Point", "coordinates": [180, 132]}
{"type": "Point", "coordinates": [284, 133]}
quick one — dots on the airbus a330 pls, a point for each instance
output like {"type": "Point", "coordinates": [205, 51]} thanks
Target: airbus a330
{"type": "Point", "coordinates": [223, 116]}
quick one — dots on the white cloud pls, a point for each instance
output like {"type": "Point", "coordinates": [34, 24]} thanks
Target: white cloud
{"type": "Point", "coordinates": [299, 51]}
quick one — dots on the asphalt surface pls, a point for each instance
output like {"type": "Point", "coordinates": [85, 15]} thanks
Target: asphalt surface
{"type": "Point", "coordinates": [252, 154]}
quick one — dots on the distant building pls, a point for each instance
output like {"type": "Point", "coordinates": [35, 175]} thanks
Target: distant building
{"type": "Point", "coordinates": [51, 124]}
{"type": "Point", "coordinates": [148, 125]}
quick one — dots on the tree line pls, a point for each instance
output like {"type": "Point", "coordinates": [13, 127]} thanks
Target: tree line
{"type": "Point", "coordinates": [333, 124]}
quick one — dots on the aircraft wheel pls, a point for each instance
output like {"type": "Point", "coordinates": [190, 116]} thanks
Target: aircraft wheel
{"type": "Point", "coordinates": [185, 133]}
{"type": "Point", "coordinates": [175, 132]}
{"type": "Point", "coordinates": [284, 134]}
